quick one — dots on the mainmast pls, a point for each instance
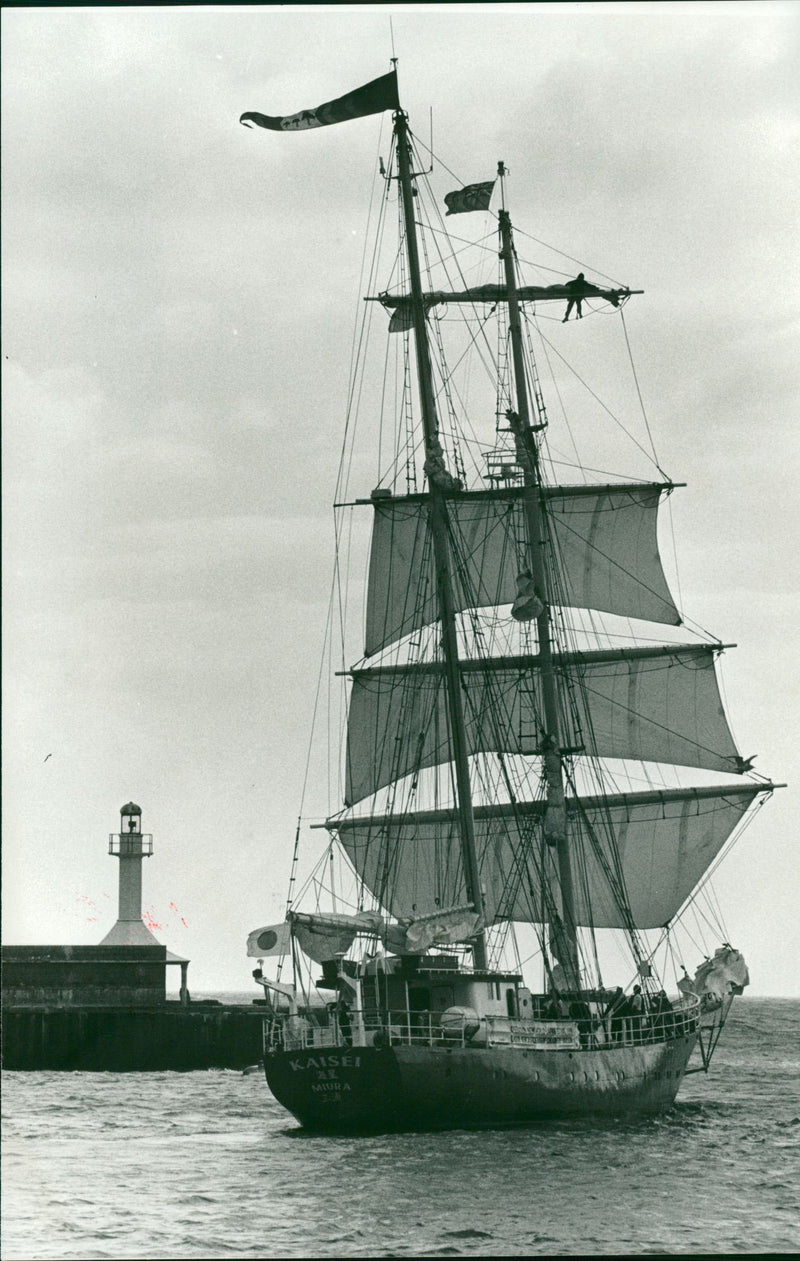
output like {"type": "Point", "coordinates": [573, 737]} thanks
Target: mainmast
{"type": "Point", "coordinates": [564, 938]}
{"type": "Point", "coordinates": [440, 484]}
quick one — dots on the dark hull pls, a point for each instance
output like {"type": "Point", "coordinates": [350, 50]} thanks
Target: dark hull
{"type": "Point", "coordinates": [424, 1087]}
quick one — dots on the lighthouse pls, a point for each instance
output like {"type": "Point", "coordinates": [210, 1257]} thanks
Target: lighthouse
{"type": "Point", "coordinates": [131, 846]}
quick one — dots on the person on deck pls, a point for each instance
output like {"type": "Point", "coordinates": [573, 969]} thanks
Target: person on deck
{"type": "Point", "coordinates": [577, 287]}
{"type": "Point", "coordinates": [581, 1013]}
{"type": "Point", "coordinates": [549, 1009]}
{"type": "Point", "coordinates": [664, 1022]}
{"type": "Point", "coordinates": [343, 1013]}
{"type": "Point", "coordinates": [614, 1013]}
{"type": "Point", "coordinates": [636, 1012]}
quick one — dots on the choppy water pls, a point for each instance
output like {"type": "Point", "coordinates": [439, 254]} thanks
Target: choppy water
{"type": "Point", "coordinates": [208, 1165]}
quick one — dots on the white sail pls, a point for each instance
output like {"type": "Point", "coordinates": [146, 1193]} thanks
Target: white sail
{"type": "Point", "coordinates": [604, 539]}
{"type": "Point", "coordinates": [654, 705]}
{"type": "Point", "coordinates": [641, 853]}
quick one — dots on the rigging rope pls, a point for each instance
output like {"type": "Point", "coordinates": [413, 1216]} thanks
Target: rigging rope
{"type": "Point", "coordinates": [639, 394]}
{"type": "Point", "coordinates": [605, 407]}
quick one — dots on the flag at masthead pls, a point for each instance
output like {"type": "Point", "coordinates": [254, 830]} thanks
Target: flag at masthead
{"type": "Point", "coordinates": [471, 197]}
{"type": "Point", "coordinates": [372, 98]}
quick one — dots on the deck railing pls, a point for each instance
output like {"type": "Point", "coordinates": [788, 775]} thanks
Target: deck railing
{"type": "Point", "coordinates": [425, 1028]}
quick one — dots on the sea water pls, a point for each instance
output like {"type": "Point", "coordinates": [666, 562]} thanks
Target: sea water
{"type": "Point", "coordinates": [152, 1165]}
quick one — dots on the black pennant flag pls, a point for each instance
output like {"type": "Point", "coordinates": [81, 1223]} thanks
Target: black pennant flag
{"type": "Point", "coordinates": [373, 98]}
{"type": "Point", "coordinates": [473, 197]}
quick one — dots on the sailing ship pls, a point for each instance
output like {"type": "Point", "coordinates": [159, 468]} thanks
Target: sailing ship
{"type": "Point", "coordinates": [517, 729]}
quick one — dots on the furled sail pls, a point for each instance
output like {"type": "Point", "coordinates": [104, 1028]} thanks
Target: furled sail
{"type": "Point", "coordinates": [653, 845]}
{"type": "Point", "coordinates": [604, 538]}
{"type": "Point", "coordinates": [718, 979]}
{"type": "Point", "coordinates": [324, 935]}
{"type": "Point", "coordinates": [402, 318]}
{"type": "Point", "coordinates": [327, 935]}
{"type": "Point", "coordinates": [441, 928]}
{"type": "Point", "coordinates": [648, 704]}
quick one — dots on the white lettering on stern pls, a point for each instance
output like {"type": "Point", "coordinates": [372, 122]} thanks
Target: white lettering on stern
{"type": "Point", "coordinates": [325, 1061]}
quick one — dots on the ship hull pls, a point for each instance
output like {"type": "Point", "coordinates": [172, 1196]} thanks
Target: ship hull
{"type": "Point", "coordinates": [427, 1087]}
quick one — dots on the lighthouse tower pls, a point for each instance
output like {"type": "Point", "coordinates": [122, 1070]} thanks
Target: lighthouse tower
{"type": "Point", "coordinates": [131, 846]}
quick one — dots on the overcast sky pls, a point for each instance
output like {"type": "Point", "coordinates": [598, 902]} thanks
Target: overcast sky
{"type": "Point", "coordinates": [178, 294]}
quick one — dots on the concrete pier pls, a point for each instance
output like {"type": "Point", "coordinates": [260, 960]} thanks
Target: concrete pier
{"type": "Point", "coordinates": [103, 1009]}
{"type": "Point", "coordinates": [170, 1037]}
{"type": "Point", "coordinates": [84, 976]}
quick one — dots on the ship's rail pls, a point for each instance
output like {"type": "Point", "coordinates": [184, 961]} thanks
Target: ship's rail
{"type": "Point", "coordinates": [426, 1028]}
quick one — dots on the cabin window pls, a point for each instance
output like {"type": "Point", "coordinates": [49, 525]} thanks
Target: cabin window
{"type": "Point", "coordinates": [511, 1004]}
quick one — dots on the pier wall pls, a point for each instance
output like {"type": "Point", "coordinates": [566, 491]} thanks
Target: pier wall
{"type": "Point", "coordinates": [84, 976]}
{"type": "Point", "coordinates": [104, 1009]}
{"type": "Point", "coordinates": [170, 1037]}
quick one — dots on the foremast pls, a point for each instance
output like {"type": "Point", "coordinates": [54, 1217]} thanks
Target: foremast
{"type": "Point", "coordinates": [440, 486]}
{"type": "Point", "coordinates": [564, 937]}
